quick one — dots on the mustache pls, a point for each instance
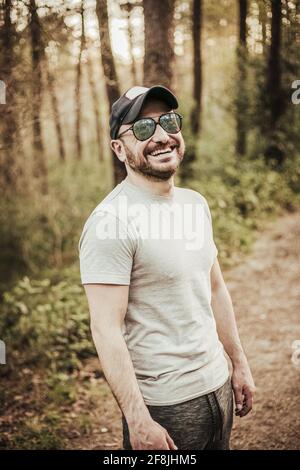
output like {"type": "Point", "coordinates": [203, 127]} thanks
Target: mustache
{"type": "Point", "coordinates": [160, 148]}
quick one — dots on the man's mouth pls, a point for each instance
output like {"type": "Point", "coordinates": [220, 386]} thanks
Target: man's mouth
{"type": "Point", "coordinates": [165, 151]}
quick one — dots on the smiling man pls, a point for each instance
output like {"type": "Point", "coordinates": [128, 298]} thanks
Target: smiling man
{"type": "Point", "coordinates": [161, 315]}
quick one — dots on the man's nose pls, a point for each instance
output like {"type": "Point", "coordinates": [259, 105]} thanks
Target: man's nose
{"type": "Point", "coordinates": [160, 135]}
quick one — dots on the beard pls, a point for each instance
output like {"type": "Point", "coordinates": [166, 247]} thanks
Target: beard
{"type": "Point", "coordinates": [144, 167]}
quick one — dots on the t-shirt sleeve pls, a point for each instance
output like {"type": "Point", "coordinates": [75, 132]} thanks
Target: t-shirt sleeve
{"type": "Point", "coordinates": [207, 211]}
{"type": "Point", "coordinates": [106, 250]}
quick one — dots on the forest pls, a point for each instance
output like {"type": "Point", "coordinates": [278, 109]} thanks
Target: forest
{"type": "Point", "coordinates": [235, 67]}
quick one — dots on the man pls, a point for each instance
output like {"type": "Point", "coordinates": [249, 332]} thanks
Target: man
{"type": "Point", "coordinates": [160, 311]}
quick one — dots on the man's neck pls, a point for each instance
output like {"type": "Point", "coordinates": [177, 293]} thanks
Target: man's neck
{"type": "Point", "coordinates": [161, 188]}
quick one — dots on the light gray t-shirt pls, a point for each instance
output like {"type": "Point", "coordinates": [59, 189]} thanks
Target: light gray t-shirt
{"type": "Point", "coordinates": [163, 248]}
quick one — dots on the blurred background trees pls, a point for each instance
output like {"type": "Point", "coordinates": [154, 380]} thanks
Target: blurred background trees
{"type": "Point", "coordinates": [159, 42]}
{"type": "Point", "coordinates": [64, 63]}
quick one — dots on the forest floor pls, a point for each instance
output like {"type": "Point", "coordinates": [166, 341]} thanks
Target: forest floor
{"type": "Point", "coordinates": [265, 288]}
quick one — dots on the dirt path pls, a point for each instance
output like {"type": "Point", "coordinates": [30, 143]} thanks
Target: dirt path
{"type": "Point", "coordinates": [265, 288]}
{"type": "Point", "coordinates": [266, 292]}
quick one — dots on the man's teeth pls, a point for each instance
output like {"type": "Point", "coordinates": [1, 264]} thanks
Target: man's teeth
{"type": "Point", "coordinates": [159, 152]}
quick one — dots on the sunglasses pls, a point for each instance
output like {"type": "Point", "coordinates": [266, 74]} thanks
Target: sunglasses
{"type": "Point", "coordinates": [144, 128]}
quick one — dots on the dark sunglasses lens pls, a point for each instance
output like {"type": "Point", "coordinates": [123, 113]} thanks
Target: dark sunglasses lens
{"type": "Point", "coordinates": [171, 123]}
{"type": "Point", "coordinates": [144, 129]}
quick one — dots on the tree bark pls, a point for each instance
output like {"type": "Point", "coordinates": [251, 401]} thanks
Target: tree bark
{"type": "Point", "coordinates": [241, 99]}
{"type": "Point", "coordinates": [96, 107]}
{"type": "Point", "coordinates": [110, 74]}
{"type": "Point", "coordinates": [56, 114]}
{"type": "Point", "coordinates": [197, 67]}
{"type": "Point", "coordinates": [78, 87]}
{"type": "Point", "coordinates": [131, 45]}
{"type": "Point", "coordinates": [262, 14]}
{"type": "Point", "coordinates": [8, 111]}
{"type": "Point", "coordinates": [128, 8]}
{"type": "Point", "coordinates": [159, 42]}
{"type": "Point", "coordinates": [274, 153]}
{"type": "Point", "coordinates": [274, 68]}
{"type": "Point", "coordinates": [37, 55]}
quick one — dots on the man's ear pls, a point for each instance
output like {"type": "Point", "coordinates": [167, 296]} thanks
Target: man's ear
{"type": "Point", "coordinates": [118, 148]}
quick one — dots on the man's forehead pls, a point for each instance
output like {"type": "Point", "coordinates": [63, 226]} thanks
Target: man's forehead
{"type": "Point", "coordinates": [153, 106]}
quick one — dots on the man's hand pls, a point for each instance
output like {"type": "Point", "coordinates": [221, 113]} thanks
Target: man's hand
{"type": "Point", "coordinates": [243, 387]}
{"type": "Point", "coordinates": [150, 435]}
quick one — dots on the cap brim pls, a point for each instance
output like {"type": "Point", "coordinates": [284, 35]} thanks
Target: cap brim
{"type": "Point", "coordinates": [159, 92]}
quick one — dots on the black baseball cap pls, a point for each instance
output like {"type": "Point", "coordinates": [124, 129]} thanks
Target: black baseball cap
{"type": "Point", "coordinates": [127, 108]}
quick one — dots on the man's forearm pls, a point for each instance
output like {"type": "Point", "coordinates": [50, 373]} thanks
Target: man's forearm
{"type": "Point", "coordinates": [226, 324]}
{"type": "Point", "coordinates": [119, 372]}
{"type": "Point", "coordinates": [242, 380]}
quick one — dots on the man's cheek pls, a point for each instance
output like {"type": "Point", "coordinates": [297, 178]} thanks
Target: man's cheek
{"type": "Point", "coordinates": [181, 151]}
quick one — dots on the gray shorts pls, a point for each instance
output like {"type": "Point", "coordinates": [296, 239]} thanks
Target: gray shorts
{"type": "Point", "coordinates": [201, 423]}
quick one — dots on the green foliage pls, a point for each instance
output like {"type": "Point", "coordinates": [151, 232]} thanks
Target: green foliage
{"type": "Point", "coordinates": [46, 324]}
{"type": "Point", "coordinates": [47, 227]}
{"type": "Point", "coordinates": [278, 142]}
{"type": "Point", "coordinates": [242, 193]}
{"type": "Point", "coordinates": [61, 390]}
{"type": "Point", "coordinates": [34, 436]}
{"type": "Point", "coordinates": [84, 425]}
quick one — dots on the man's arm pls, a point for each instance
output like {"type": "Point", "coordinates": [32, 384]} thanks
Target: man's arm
{"type": "Point", "coordinates": [242, 380]}
{"type": "Point", "coordinates": [108, 306]}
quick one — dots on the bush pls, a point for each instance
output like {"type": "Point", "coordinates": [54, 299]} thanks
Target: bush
{"type": "Point", "coordinates": [36, 437]}
{"type": "Point", "coordinates": [47, 324]}
{"type": "Point", "coordinates": [42, 230]}
{"type": "Point", "coordinates": [240, 195]}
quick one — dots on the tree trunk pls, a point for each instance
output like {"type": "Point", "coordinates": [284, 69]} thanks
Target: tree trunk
{"type": "Point", "coordinates": [111, 80]}
{"type": "Point", "coordinates": [159, 42]}
{"type": "Point", "coordinates": [274, 153]}
{"type": "Point", "coordinates": [78, 87]}
{"type": "Point", "coordinates": [37, 54]}
{"type": "Point", "coordinates": [131, 46]}
{"type": "Point", "coordinates": [96, 107]}
{"type": "Point", "coordinates": [8, 111]}
{"type": "Point", "coordinates": [241, 99]}
{"type": "Point", "coordinates": [128, 8]}
{"type": "Point", "coordinates": [274, 69]}
{"type": "Point", "coordinates": [56, 114]}
{"type": "Point", "coordinates": [197, 67]}
{"type": "Point", "coordinates": [262, 14]}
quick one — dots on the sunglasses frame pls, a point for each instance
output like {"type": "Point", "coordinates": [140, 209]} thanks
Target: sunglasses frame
{"type": "Point", "coordinates": [155, 124]}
